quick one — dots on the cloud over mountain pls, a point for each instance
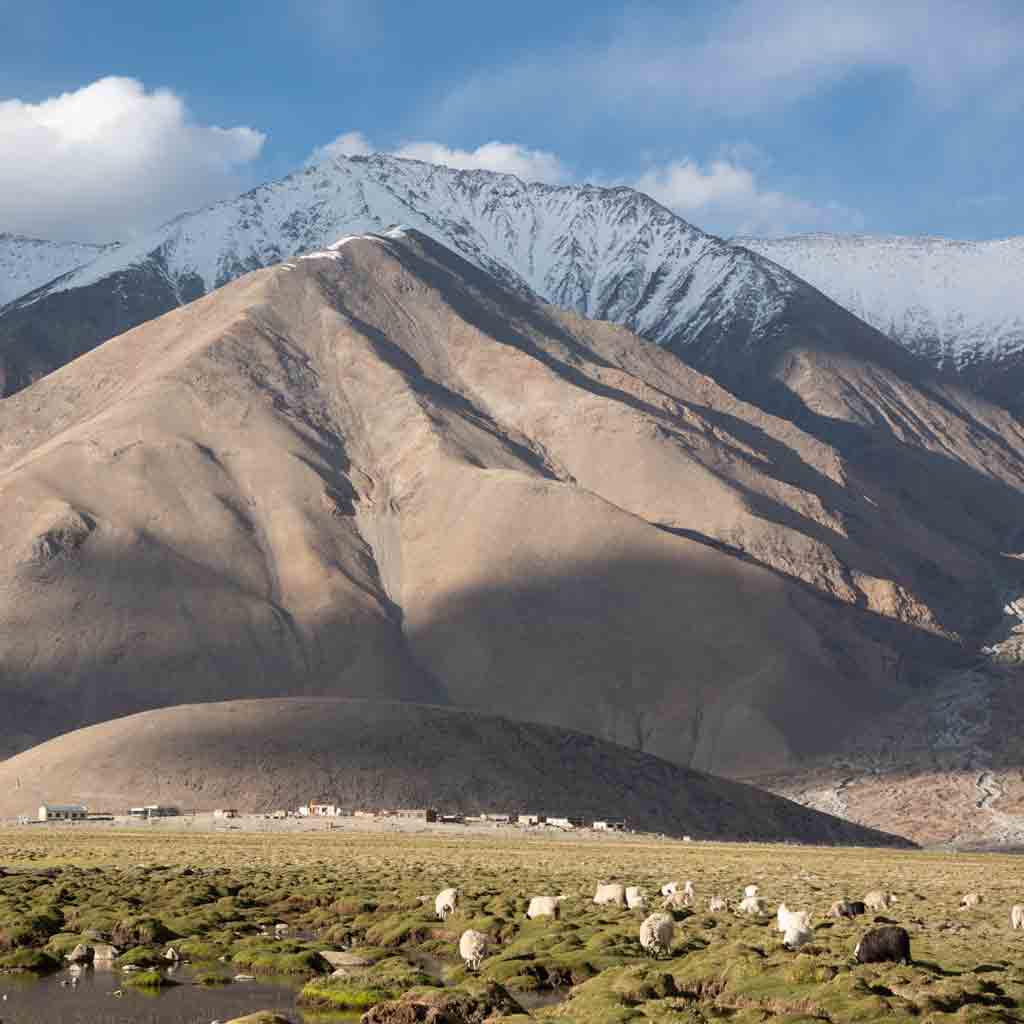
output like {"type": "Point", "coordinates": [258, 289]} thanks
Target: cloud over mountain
{"type": "Point", "coordinates": [502, 157]}
{"type": "Point", "coordinates": [112, 158]}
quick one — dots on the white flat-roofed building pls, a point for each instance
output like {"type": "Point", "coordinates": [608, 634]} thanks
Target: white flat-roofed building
{"type": "Point", "coordinates": [62, 812]}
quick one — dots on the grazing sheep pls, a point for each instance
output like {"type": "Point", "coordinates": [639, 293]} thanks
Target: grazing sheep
{"type": "Point", "coordinates": [1017, 916]}
{"type": "Point", "coordinates": [795, 936]}
{"type": "Point", "coordinates": [879, 945]}
{"type": "Point", "coordinates": [792, 919]}
{"type": "Point", "coordinates": [878, 900]}
{"type": "Point", "coordinates": [473, 948]}
{"type": "Point", "coordinates": [716, 905]}
{"type": "Point", "coordinates": [611, 893]}
{"type": "Point", "coordinates": [676, 901]}
{"type": "Point", "coordinates": [751, 905]}
{"type": "Point", "coordinates": [846, 908]}
{"type": "Point", "coordinates": [444, 903]}
{"type": "Point", "coordinates": [636, 898]}
{"type": "Point", "coordinates": [656, 934]}
{"type": "Point", "coordinates": [545, 906]}
{"type": "Point", "coordinates": [689, 895]}
{"type": "Point", "coordinates": [970, 899]}
{"type": "Point", "coordinates": [669, 888]}
{"type": "Point", "coordinates": [751, 890]}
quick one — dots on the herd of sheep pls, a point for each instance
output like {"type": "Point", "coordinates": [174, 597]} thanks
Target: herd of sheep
{"type": "Point", "coordinates": [887, 943]}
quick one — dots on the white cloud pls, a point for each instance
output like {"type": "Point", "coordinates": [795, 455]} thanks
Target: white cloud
{"type": "Point", "coordinates": [725, 198]}
{"type": "Point", "coordinates": [349, 144]}
{"type": "Point", "coordinates": [111, 159]}
{"type": "Point", "coordinates": [502, 157]}
{"type": "Point", "coordinates": [751, 55]}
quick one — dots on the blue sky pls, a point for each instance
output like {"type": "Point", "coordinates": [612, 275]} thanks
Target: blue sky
{"type": "Point", "coordinates": [746, 116]}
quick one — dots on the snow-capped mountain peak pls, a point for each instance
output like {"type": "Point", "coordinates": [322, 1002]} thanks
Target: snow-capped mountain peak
{"type": "Point", "coordinates": [607, 253]}
{"type": "Point", "coordinates": [27, 263]}
{"type": "Point", "coordinates": [954, 302]}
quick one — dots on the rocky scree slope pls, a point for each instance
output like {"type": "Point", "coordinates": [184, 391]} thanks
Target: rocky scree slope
{"type": "Point", "coordinates": [261, 755]}
{"type": "Point", "coordinates": [375, 472]}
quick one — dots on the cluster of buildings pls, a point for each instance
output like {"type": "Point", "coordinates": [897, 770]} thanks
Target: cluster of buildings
{"type": "Point", "coordinates": [431, 815]}
{"type": "Point", "coordinates": [427, 815]}
{"type": "Point", "coordinates": [79, 812]}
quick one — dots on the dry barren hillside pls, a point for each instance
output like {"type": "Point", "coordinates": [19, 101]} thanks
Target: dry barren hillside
{"type": "Point", "coordinates": [376, 472]}
{"type": "Point", "coordinates": [264, 754]}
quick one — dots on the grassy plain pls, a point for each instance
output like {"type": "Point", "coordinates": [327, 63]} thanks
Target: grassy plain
{"type": "Point", "coordinates": [220, 896]}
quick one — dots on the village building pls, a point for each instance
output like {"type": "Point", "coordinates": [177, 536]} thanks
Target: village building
{"type": "Point", "coordinates": [610, 825]}
{"type": "Point", "coordinates": [566, 823]}
{"type": "Point", "coordinates": [428, 814]}
{"type": "Point", "coordinates": [62, 812]}
{"type": "Point", "coordinates": [153, 811]}
{"type": "Point", "coordinates": [312, 810]}
{"type": "Point", "coordinates": [225, 812]}
{"type": "Point", "coordinates": [532, 819]}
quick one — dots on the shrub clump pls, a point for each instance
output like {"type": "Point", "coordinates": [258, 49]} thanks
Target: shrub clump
{"type": "Point", "coordinates": [148, 979]}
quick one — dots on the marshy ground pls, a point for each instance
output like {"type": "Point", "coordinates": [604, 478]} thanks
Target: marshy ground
{"type": "Point", "coordinates": [217, 899]}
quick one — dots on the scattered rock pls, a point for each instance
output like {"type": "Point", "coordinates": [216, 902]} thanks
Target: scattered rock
{"type": "Point", "coordinates": [344, 960]}
{"type": "Point", "coordinates": [260, 1017]}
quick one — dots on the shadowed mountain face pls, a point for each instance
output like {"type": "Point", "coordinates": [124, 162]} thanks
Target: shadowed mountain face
{"type": "Point", "coordinates": [377, 473]}
{"type": "Point", "coordinates": [262, 755]}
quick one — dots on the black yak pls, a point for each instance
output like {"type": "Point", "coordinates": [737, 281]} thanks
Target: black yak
{"type": "Point", "coordinates": [890, 943]}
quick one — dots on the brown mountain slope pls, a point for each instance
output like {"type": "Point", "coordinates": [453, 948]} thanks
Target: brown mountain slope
{"type": "Point", "coordinates": [375, 472]}
{"type": "Point", "coordinates": [263, 754]}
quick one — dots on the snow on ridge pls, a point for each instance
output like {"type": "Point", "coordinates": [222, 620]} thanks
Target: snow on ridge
{"type": "Point", "coordinates": [608, 253]}
{"type": "Point", "coordinates": [29, 263]}
{"type": "Point", "coordinates": [333, 251]}
{"type": "Point", "coordinates": [952, 301]}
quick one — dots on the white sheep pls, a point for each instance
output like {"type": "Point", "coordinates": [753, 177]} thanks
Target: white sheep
{"type": "Point", "coordinates": [676, 901]}
{"type": "Point", "coordinates": [1017, 916]}
{"type": "Point", "coordinates": [751, 890]}
{"type": "Point", "coordinates": [473, 948]}
{"type": "Point", "coordinates": [970, 899]}
{"type": "Point", "coordinates": [636, 898]}
{"type": "Point", "coordinates": [611, 892]}
{"type": "Point", "coordinates": [656, 933]}
{"type": "Point", "coordinates": [794, 936]}
{"type": "Point", "coordinates": [669, 888]}
{"type": "Point", "coordinates": [444, 903]}
{"type": "Point", "coordinates": [792, 919]}
{"type": "Point", "coordinates": [878, 900]}
{"type": "Point", "coordinates": [689, 895]}
{"type": "Point", "coordinates": [545, 906]}
{"type": "Point", "coordinates": [717, 905]}
{"type": "Point", "coordinates": [751, 905]}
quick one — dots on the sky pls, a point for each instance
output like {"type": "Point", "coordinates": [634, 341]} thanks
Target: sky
{"type": "Point", "coordinates": [746, 117]}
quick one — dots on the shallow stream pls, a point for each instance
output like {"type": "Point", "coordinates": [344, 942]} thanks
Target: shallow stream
{"type": "Point", "coordinates": [29, 1000]}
